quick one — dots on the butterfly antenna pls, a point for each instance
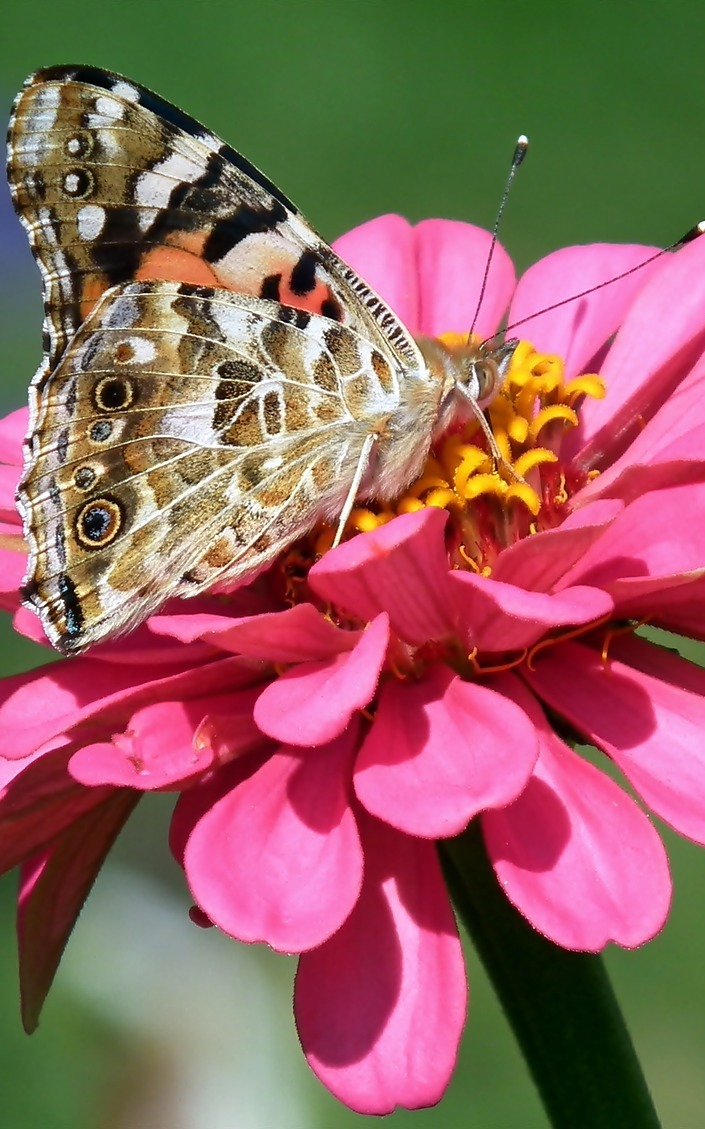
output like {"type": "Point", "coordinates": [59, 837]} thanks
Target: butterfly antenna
{"type": "Point", "coordinates": [691, 234]}
{"type": "Point", "coordinates": [519, 153]}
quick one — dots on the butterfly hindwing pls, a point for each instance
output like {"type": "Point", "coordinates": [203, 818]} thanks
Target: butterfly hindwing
{"type": "Point", "coordinates": [187, 436]}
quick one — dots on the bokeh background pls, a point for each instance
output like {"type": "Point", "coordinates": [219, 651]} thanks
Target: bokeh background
{"type": "Point", "coordinates": [356, 108]}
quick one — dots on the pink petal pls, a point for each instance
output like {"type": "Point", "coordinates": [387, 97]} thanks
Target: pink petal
{"type": "Point", "coordinates": [451, 261]}
{"type": "Point", "coordinates": [401, 569]}
{"type": "Point", "coordinates": [659, 535]}
{"type": "Point", "coordinates": [380, 1006]}
{"type": "Point", "coordinates": [649, 725]}
{"type": "Point", "coordinates": [537, 563]}
{"type": "Point", "coordinates": [278, 859]}
{"type": "Point", "coordinates": [643, 368]}
{"type": "Point", "coordinates": [13, 429]}
{"type": "Point", "coordinates": [159, 749]}
{"type": "Point", "coordinates": [576, 855]}
{"type": "Point", "coordinates": [578, 329]}
{"type": "Point", "coordinates": [503, 617]}
{"type": "Point", "coordinates": [13, 567]}
{"type": "Point", "coordinates": [441, 750]}
{"type": "Point", "coordinates": [53, 888]}
{"type": "Point", "coordinates": [298, 634]}
{"type": "Point", "coordinates": [383, 253]}
{"type": "Point", "coordinates": [642, 471]}
{"type": "Point", "coordinates": [313, 702]}
{"type": "Point", "coordinates": [59, 697]}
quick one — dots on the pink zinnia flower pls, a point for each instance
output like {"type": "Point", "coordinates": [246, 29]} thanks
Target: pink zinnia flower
{"type": "Point", "coordinates": [327, 724]}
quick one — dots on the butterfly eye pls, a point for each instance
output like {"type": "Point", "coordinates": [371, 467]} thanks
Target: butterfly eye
{"type": "Point", "coordinates": [484, 381]}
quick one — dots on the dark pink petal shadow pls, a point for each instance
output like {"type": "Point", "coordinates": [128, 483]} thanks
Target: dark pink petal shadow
{"type": "Point", "coordinates": [313, 702]}
{"type": "Point", "coordinates": [278, 859]}
{"type": "Point", "coordinates": [38, 802]}
{"type": "Point", "coordinates": [380, 1007]}
{"type": "Point", "coordinates": [575, 854]}
{"type": "Point", "coordinates": [441, 750]}
{"type": "Point", "coordinates": [648, 724]}
{"type": "Point", "coordinates": [53, 888]}
{"type": "Point", "coordinates": [401, 569]}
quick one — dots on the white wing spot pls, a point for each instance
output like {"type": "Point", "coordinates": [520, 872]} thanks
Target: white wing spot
{"type": "Point", "coordinates": [127, 91]}
{"type": "Point", "coordinates": [108, 107]}
{"type": "Point", "coordinates": [155, 186]}
{"type": "Point", "coordinates": [143, 350]}
{"type": "Point", "coordinates": [71, 183]}
{"type": "Point", "coordinates": [73, 145]}
{"type": "Point", "coordinates": [91, 221]}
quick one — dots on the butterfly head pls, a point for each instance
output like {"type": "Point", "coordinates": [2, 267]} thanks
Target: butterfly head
{"type": "Point", "coordinates": [471, 374]}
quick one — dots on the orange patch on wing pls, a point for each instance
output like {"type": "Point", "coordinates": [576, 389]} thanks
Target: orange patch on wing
{"type": "Point", "coordinates": [174, 264]}
{"type": "Point", "coordinates": [96, 284]}
{"type": "Point", "coordinates": [311, 302]}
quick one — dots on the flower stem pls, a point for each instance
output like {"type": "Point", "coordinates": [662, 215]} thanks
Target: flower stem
{"type": "Point", "coordinates": [560, 1004]}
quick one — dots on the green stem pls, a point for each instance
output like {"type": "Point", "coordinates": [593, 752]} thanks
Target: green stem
{"type": "Point", "coordinates": [560, 1004]}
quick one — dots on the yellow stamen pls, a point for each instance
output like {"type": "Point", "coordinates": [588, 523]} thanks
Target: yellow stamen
{"type": "Point", "coordinates": [587, 385]}
{"type": "Point", "coordinates": [549, 415]}
{"type": "Point", "coordinates": [533, 458]}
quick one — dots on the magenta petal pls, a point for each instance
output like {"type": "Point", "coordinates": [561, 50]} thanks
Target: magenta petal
{"type": "Point", "coordinates": [13, 567]}
{"type": "Point", "coordinates": [451, 258]}
{"type": "Point", "coordinates": [576, 855]}
{"type": "Point", "coordinates": [658, 535]}
{"type": "Point", "coordinates": [313, 702]}
{"type": "Point", "coordinates": [441, 750]}
{"type": "Point", "coordinates": [160, 748]}
{"type": "Point", "coordinates": [578, 329]}
{"type": "Point", "coordinates": [297, 634]}
{"type": "Point", "coordinates": [13, 429]}
{"type": "Point", "coordinates": [401, 569]}
{"type": "Point", "coordinates": [503, 617]}
{"type": "Point", "coordinates": [642, 368]}
{"type": "Point", "coordinates": [278, 859]}
{"type": "Point", "coordinates": [53, 888]}
{"type": "Point", "coordinates": [59, 697]}
{"type": "Point", "coordinates": [649, 725]}
{"type": "Point", "coordinates": [380, 1007]}
{"type": "Point", "coordinates": [383, 252]}
{"type": "Point", "coordinates": [538, 562]}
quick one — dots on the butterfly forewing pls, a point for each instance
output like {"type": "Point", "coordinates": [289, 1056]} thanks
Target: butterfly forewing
{"type": "Point", "coordinates": [113, 184]}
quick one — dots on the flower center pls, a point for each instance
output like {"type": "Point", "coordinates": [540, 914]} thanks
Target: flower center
{"type": "Point", "coordinates": [494, 505]}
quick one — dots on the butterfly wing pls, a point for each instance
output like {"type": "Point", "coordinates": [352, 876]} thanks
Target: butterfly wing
{"type": "Point", "coordinates": [114, 184]}
{"type": "Point", "coordinates": [187, 436]}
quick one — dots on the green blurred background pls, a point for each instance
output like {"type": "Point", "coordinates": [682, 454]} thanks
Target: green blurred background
{"type": "Point", "coordinates": [356, 108]}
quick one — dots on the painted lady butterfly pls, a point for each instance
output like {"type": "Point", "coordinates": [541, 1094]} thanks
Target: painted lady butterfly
{"type": "Point", "coordinates": [215, 381]}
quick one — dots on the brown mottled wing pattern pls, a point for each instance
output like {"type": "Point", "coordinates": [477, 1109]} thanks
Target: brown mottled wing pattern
{"type": "Point", "coordinates": [186, 437]}
{"type": "Point", "coordinates": [114, 184]}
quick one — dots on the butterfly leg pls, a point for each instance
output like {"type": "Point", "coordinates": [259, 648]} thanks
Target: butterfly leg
{"type": "Point", "coordinates": [498, 460]}
{"type": "Point", "coordinates": [362, 465]}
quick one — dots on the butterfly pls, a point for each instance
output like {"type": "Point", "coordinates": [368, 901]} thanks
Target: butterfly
{"type": "Point", "coordinates": [215, 379]}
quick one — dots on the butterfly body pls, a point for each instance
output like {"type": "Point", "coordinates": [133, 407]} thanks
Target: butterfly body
{"type": "Point", "coordinates": [215, 381]}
